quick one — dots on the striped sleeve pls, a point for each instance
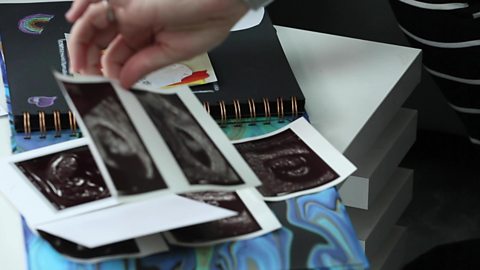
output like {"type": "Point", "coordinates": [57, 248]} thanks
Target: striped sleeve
{"type": "Point", "coordinates": [448, 32]}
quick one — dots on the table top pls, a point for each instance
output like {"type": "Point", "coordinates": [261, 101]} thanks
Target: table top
{"type": "Point", "coordinates": [345, 82]}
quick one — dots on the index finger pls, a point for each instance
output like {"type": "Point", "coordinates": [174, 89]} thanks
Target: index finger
{"type": "Point", "coordinates": [93, 29]}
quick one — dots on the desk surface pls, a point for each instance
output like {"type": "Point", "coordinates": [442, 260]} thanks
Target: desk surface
{"type": "Point", "coordinates": [345, 82]}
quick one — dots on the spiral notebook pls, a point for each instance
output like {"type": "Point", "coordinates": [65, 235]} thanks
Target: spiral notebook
{"type": "Point", "coordinates": [255, 82]}
{"type": "Point", "coordinates": [33, 44]}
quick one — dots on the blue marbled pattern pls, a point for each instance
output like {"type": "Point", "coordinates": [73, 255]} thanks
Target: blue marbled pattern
{"type": "Point", "coordinates": [266, 252]}
{"type": "Point", "coordinates": [325, 215]}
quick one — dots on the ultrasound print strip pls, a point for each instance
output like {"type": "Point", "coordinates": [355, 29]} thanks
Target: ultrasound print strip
{"type": "Point", "coordinates": [254, 218]}
{"type": "Point", "coordinates": [125, 156]}
{"type": "Point", "coordinates": [198, 156]}
{"type": "Point", "coordinates": [294, 161]}
{"type": "Point", "coordinates": [202, 151]}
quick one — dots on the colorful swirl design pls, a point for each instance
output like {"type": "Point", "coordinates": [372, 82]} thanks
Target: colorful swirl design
{"type": "Point", "coordinates": [177, 259]}
{"type": "Point", "coordinates": [326, 216]}
{"type": "Point", "coordinates": [34, 24]}
{"type": "Point", "coordinates": [270, 251]}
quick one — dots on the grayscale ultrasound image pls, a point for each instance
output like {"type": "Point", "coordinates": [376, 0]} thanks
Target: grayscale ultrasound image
{"type": "Point", "coordinates": [67, 178]}
{"type": "Point", "coordinates": [241, 224]}
{"type": "Point", "coordinates": [75, 250]}
{"type": "Point", "coordinates": [198, 157]}
{"type": "Point", "coordinates": [285, 164]}
{"type": "Point", "coordinates": [121, 148]}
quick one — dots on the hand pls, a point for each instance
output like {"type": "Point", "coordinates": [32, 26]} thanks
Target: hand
{"type": "Point", "coordinates": [145, 35]}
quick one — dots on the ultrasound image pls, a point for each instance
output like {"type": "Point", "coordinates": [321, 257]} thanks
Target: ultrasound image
{"type": "Point", "coordinates": [285, 164]}
{"type": "Point", "coordinates": [197, 155]}
{"type": "Point", "coordinates": [128, 162]}
{"type": "Point", "coordinates": [241, 224]}
{"type": "Point", "coordinates": [66, 179]}
{"type": "Point", "coordinates": [68, 248]}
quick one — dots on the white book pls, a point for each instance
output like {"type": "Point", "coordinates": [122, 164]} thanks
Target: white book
{"type": "Point", "coordinates": [373, 225]}
{"type": "Point", "coordinates": [378, 165]}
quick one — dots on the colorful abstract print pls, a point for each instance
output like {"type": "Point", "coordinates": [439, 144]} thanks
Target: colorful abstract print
{"type": "Point", "coordinates": [324, 215]}
{"type": "Point", "coordinates": [34, 24]}
{"type": "Point", "coordinates": [316, 234]}
{"type": "Point", "coordinates": [320, 218]}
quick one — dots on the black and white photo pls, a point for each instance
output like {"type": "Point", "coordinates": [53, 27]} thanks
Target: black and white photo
{"type": "Point", "coordinates": [66, 178]}
{"type": "Point", "coordinates": [150, 141]}
{"type": "Point", "coordinates": [199, 158]}
{"type": "Point", "coordinates": [128, 162]}
{"type": "Point", "coordinates": [254, 218]}
{"type": "Point", "coordinates": [293, 161]}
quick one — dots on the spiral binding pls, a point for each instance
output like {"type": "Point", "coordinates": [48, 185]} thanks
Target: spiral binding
{"type": "Point", "coordinates": [281, 112]}
{"type": "Point", "coordinates": [266, 107]}
{"type": "Point", "coordinates": [294, 107]}
{"type": "Point", "coordinates": [223, 113]}
{"type": "Point", "coordinates": [42, 124]}
{"type": "Point", "coordinates": [206, 106]}
{"type": "Point", "coordinates": [238, 111]}
{"type": "Point", "coordinates": [27, 129]}
{"type": "Point", "coordinates": [58, 123]}
{"type": "Point", "coordinates": [253, 111]}
{"type": "Point", "coordinates": [73, 123]}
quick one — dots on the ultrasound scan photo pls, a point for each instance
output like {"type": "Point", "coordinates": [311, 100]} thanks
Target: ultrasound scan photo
{"type": "Point", "coordinates": [285, 164]}
{"type": "Point", "coordinates": [241, 224]}
{"type": "Point", "coordinates": [130, 165]}
{"type": "Point", "coordinates": [74, 250]}
{"type": "Point", "coordinates": [199, 158]}
{"type": "Point", "coordinates": [68, 178]}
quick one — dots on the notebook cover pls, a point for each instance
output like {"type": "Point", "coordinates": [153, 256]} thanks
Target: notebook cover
{"type": "Point", "coordinates": [33, 37]}
{"type": "Point", "coordinates": [316, 234]}
{"type": "Point", "coordinates": [251, 64]}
